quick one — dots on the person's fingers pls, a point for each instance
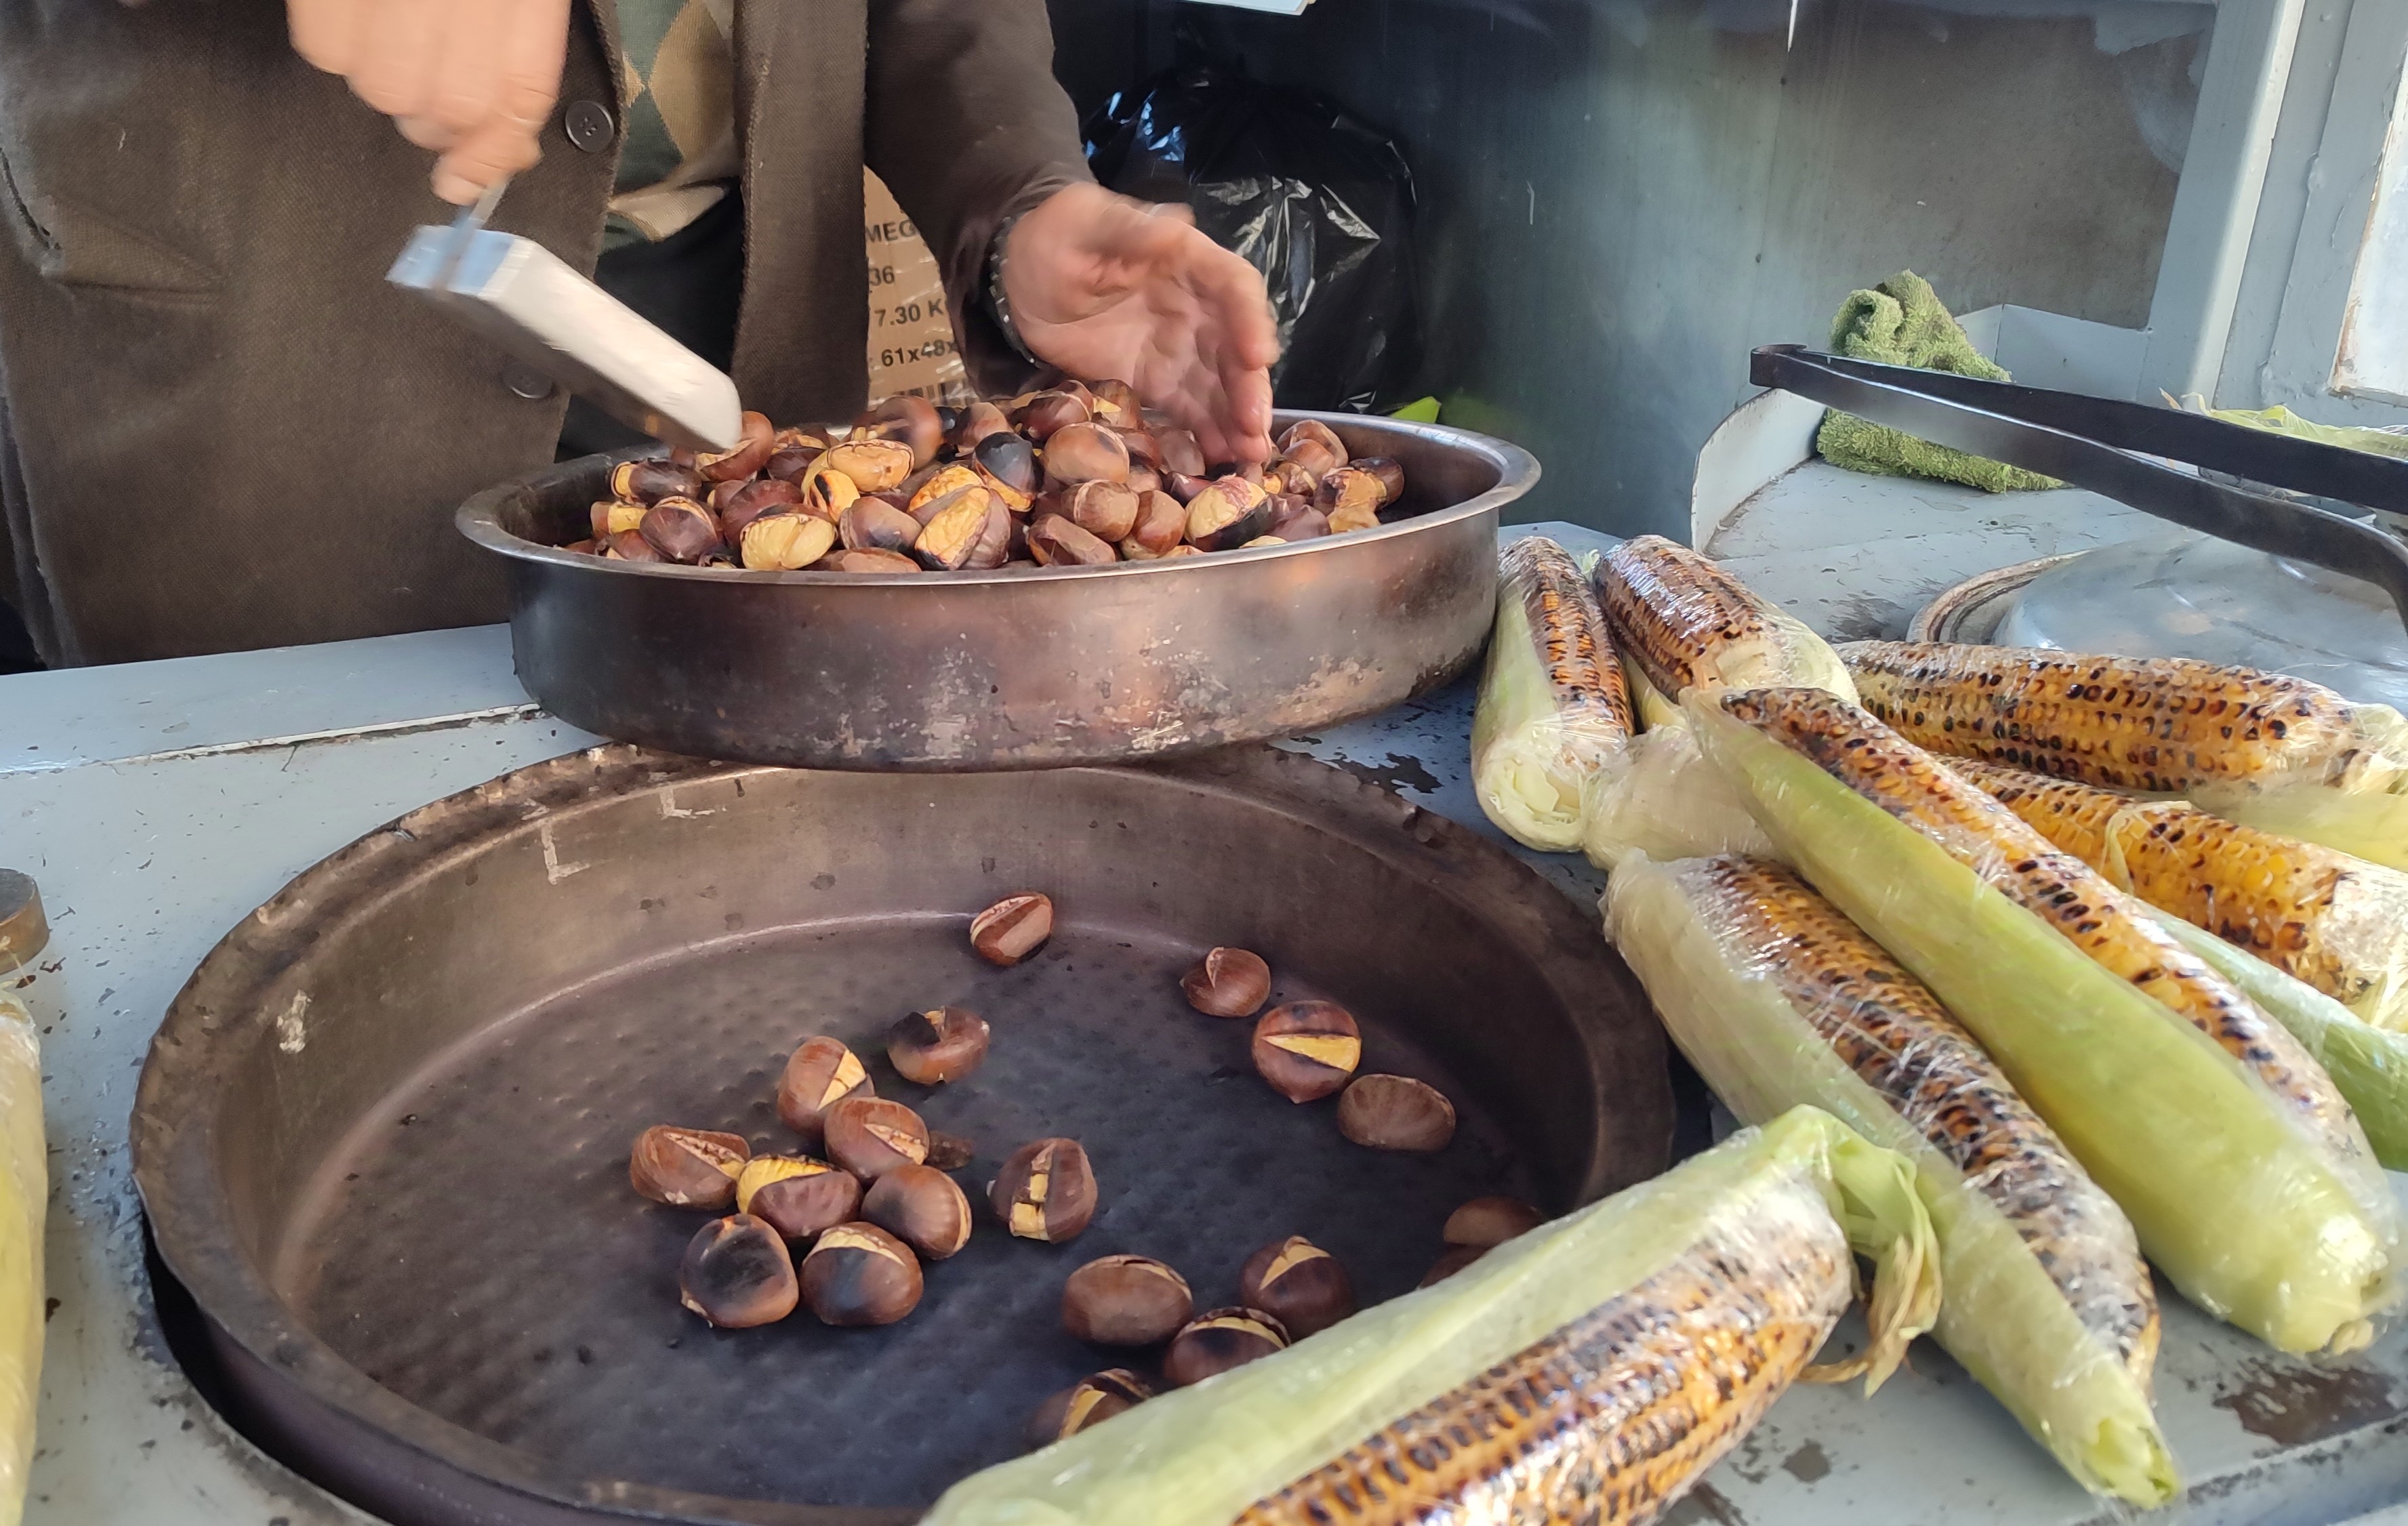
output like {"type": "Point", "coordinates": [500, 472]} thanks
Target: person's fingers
{"type": "Point", "coordinates": [428, 133]}
{"type": "Point", "coordinates": [325, 33]}
{"type": "Point", "coordinates": [534, 49]}
{"type": "Point", "coordinates": [399, 44]}
{"type": "Point", "coordinates": [492, 152]}
{"type": "Point", "coordinates": [468, 68]}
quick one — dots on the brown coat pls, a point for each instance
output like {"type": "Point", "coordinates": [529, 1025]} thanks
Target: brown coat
{"type": "Point", "coordinates": [229, 431]}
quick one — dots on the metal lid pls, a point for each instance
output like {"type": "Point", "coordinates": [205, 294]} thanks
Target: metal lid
{"type": "Point", "coordinates": [23, 931]}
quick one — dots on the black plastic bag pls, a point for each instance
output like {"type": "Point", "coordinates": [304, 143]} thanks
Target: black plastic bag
{"type": "Point", "coordinates": [1316, 200]}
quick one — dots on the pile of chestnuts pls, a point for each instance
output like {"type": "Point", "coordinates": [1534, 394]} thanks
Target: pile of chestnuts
{"type": "Point", "coordinates": [874, 1201]}
{"type": "Point", "coordinates": [1076, 475]}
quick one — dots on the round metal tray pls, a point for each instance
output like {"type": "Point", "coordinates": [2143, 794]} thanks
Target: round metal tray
{"type": "Point", "coordinates": [1009, 669]}
{"type": "Point", "coordinates": [381, 1133]}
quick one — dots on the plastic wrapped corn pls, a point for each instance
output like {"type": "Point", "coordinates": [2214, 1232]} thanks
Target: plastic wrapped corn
{"type": "Point", "coordinates": [1553, 713]}
{"type": "Point", "coordinates": [2250, 1184]}
{"type": "Point", "coordinates": [24, 1194]}
{"type": "Point", "coordinates": [1667, 802]}
{"type": "Point", "coordinates": [1685, 623]}
{"type": "Point", "coordinates": [2265, 750]}
{"type": "Point", "coordinates": [2339, 924]}
{"type": "Point", "coordinates": [1779, 1000]}
{"type": "Point", "coordinates": [1587, 1370]}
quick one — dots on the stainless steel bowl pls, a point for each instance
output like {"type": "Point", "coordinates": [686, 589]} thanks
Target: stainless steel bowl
{"type": "Point", "coordinates": [1036, 668]}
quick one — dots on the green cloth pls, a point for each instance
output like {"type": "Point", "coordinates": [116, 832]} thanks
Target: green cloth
{"type": "Point", "coordinates": [1902, 322]}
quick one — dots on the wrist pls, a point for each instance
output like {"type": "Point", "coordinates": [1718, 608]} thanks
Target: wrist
{"type": "Point", "coordinates": [998, 297]}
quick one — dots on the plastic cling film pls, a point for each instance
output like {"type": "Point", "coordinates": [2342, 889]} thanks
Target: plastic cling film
{"type": "Point", "coordinates": [1667, 803]}
{"type": "Point", "coordinates": [2369, 826]}
{"type": "Point", "coordinates": [24, 1193]}
{"type": "Point", "coordinates": [2156, 723]}
{"type": "Point", "coordinates": [1685, 623]}
{"type": "Point", "coordinates": [2230, 1183]}
{"type": "Point", "coordinates": [1553, 713]}
{"type": "Point", "coordinates": [2339, 924]}
{"type": "Point", "coordinates": [1606, 1360]}
{"type": "Point", "coordinates": [2368, 1064]}
{"type": "Point", "coordinates": [1780, 1001]}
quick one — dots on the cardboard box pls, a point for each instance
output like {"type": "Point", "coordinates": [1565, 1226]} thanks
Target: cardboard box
{"type": "Point", "coordinates": [910, 326]}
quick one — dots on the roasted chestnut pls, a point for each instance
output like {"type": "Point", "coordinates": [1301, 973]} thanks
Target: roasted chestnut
{"type": "Point", "coordinates": [1390, 474]}
{"type": "Point", "coordinates": [859, 1275]}
{"type": "Point", "coordinates": [1086, 453]}
{"type": "Point", "coordinates": [786, 542]}
{"type": "Point", "coordinates": [1106, 510]}
{"type": "Point", "coordinates": [1228, 983]}
{"type": "Point", "coordinates": [1486, 1221]}
{"type": "Point", "coordinates": [680, 528]}
{"type": "Point", "coordinates": [748, 501]}
{"type": "Point", "coordinates": [1013, 928]}
{"type": "Point", "coordinates": [1143, 480]}
{"type": "Point", "coordinates": [873, 465]}
{"type": "Point", "coordinates": [736, 1274]}
{"type": "Point", "coordinates": [1290, 477]}
{"type": "Point", "coordinates": [687, 1168]}
{"type": "Point", "coordinates": [1180, 452]}
{"type": "Point", "coordinates": [614, 516]}
{"type": "Point", "coordinates": [1345, 521]}
{"type": "Point", "coordinates": [648, 481]}
{"type": "Point", "coordinates": [1054, 541]}
{"type": "Point", "coordinates": [1046, 1190]}
{"type": "Point", "coordinates": [630, 546]}
{"type": "Point", "coordinates": [827, 492]}
{"type": "Point", "coordinates": [1315, 446]}
{"type": "Point", "coordinates": [869, 561]}
{"type": "Point", "coordinates": [979, 420]}
{"type": "Point", "coordinates": [933, 1047]}
{"type": "Point", "coordinates": [1395, 1112]}
{"type": "Point", "coordinates": [968, 528]}
{"type": "Point", "coordinates": [1047, 414]}
{"type": "Point", "coordinates": [758, 438]}
{"type": "Point", "coordinates": [1182, 486]}
{"type": "Point", "coordinates": [1300, 1284]}
{"type": "Point", "coordinates": [1126, 1301]}
{"type": "Point", "coordinates": [1307, 1049]}
{"type": "Point", "coordinates": [583, 548]}
{"type": "Point", "coordinates": [1213, 1343]}
{"type": "Point", "coordinates": [870, 1137]}
{"type": "Point", "coordinates": [796, 1196]}
{"type": "Point", "coordinates": [798, 437]}
{"type": "Point", "coordinates": [1228, 512]}
{"type": "Point", "coordinates": [1296, 520]}
{"type": "Point", "coordinates": [1161, 523]}
{"type": "Point", "coordinates": [922, 1207]}
{"type": "Point", "coordinates": [949, 1151]}
{"type": "Point", "coordinates": [1114, 402]}
{"type": "Point", "coordinates": [820, 1074]}
{"type": "Point", "coordinates": [1455, 1260]}
{"type": "Point", "coordinates": [1261, 541]}
{"type": "Point", "coordinates": [1008, 466]}
{"type": "Point", "coordinates": [1183, 548]}
{"type": "Point", "coordinates": [949, 479]}
{"type": "Point", "coordinates": [788, 463]}
{"type": "Point", "coordinates": [908, 420]}
{"type": "Point", "coordinates": [1091, 1401]}
{"type": "Point", "coordinates": [872, 524]}
{"type": "Point", "coordinates": [1349, 488]}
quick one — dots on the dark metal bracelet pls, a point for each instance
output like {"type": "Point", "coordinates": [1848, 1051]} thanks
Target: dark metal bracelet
{"type": "Point", "coordinates": [998, 305]}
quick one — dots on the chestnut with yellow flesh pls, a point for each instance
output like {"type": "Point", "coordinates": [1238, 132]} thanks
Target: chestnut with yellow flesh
{"type": "Point", "coordinates": [1106, 510]}
{"type": "Point", "coordinates": [827, 493]}
{"type": "Point", "coordinates": [737, 1274]}
{"type": "Point", "coordinates": [1395, 1112]}
{"type": "Point", "coordinates": [867, 562]}
{"type": "Point", "coordinates": [1046, 1190]}
{"type": "Point", "coordinates": [1114, 402]}
{"type": "Point", "coordinates": [922, 1207]}
{"type": "Point", "coordinates": [944, 481]}
{"type": "Point", "coordinates": [687, 1168]}
{"type": "Point", "coordinates": [1348, 488]}
{"type": "Point", "coordinates": [1007, 464]}
{"type": "Point", "coordinates": [820, 1074]}
{"type": "Point", "coordinates": [1307, 1049]}
{"type": "Point", "coordinates": [786, 542]}
{"type": "Point", "coordinates": [1090, 1401]}
{"type": "Point", "coordinates": [1013, 928]}
{"type": "Point", "coordinates": [646, 483]}
{"type": "Point", "coordinates": [1126, 1301]}
{"type": "Point", "coordinates": [757, 437]}
{"type": "Point", "coordinates": [1313, 445]}
{"type": "Point", "coordinates": [859, 1275]}
{"type": "Point", "coordinates": [1214, 1342]}
{"type": "Point", "coordinates": [955, 530]}
{"type": "Point", "coordinates": [616, 515]}
{"type": "Point", "coordinates": [1390, 474]}
{"type": "Point", "coordinates": [872, 465]}
{"type": "Point", "coordinates": [870, 1137]}
{"type": "Point", "coordinates": [907, 420]}
{"type": "Point", "coordinates": [932, 1047]}
{"type": "Point", "coordinates": [1345, 521]}
{"type": "Point", "coordinates": [1297, 1283]}
{"type": "Point", "coordinates": [1161, 521]}
{"type": "Point", "coordinates": [1228, 512]}
{"type": "Point", "coordinates": [797, 1197]}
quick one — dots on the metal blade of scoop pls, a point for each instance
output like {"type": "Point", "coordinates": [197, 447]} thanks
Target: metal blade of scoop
{"type": "Point", "coordinates": [535, 305]}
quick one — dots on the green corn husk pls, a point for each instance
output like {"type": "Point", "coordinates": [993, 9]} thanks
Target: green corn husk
{"type": "Point", "coordinates": [2369, 1064]}
{"type": "Point", "coordinates": [1665, 801]}
{"type": "Point", "coordinates": [2069, 1360]}
{"type": "Point", "coordinates": [1227, 1448]}
{"type": "Point", "coordinates": [2234, 1201]}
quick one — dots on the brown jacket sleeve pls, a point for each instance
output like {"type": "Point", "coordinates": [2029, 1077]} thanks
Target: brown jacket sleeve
{"type": "Point", "coordinates": [965, 123]}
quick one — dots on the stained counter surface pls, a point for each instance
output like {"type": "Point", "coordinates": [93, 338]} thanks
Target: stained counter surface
{"type": "Point", "coordinates": [157, 803]}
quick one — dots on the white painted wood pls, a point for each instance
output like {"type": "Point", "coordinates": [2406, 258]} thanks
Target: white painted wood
{"type": "Point", "coordinates": [2216, 207]}
{"type": "Point", "coordinates": [2373, 359]}
{"type": "Point", "coordinates": [1764, 436]}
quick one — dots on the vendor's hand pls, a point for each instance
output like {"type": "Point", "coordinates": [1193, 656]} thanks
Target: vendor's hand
{"type": "Point", "coordinates": [472, 80]}
{"type": "Point", "coordinates": [1106, 287]}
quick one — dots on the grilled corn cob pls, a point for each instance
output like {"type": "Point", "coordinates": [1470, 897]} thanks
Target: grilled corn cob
{"type": "Point", "coordinates": [1667, 803]}
{"type": "Point", "coordinates": [1587, 1371]}
{"type": "Point", "coordinates": [2249, 1182]}
{"type": "Point", "coordinates": [1554, 712]}
{"type": "Point", "coordinates": [2336, 922]}
{"type": "Point", "coordinates": [1685, 623]}
{"type": "Point", "coordinates": [1780, 1000]}
{"type": "Point", "coordinates": [23, 1194]}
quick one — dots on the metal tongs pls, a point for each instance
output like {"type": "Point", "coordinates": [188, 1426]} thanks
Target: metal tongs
{"type": "Point", "coordinates": [2106, 445]}
{"type": "Point", "coordinates": [529, 301]}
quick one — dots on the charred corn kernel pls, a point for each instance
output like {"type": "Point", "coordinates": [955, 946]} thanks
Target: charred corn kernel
{"type": "Point", "coordinates": [1588, 1370]}
{"type": "Point", "coordinates": [1554, 712]}
{"type": "Point", "coordinates": [2247, 1179]}
{"type": "Point", "coordinates": [24, 1192]}
{"type": "Point", "coordinates": [2162, 723]}
{"type": "Point", "coordinates": [2339, 924]}
{"type": "Point", "coordinates": [1779, 1000]}
{"type": "Point", "coordinates": [1685, 623]}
